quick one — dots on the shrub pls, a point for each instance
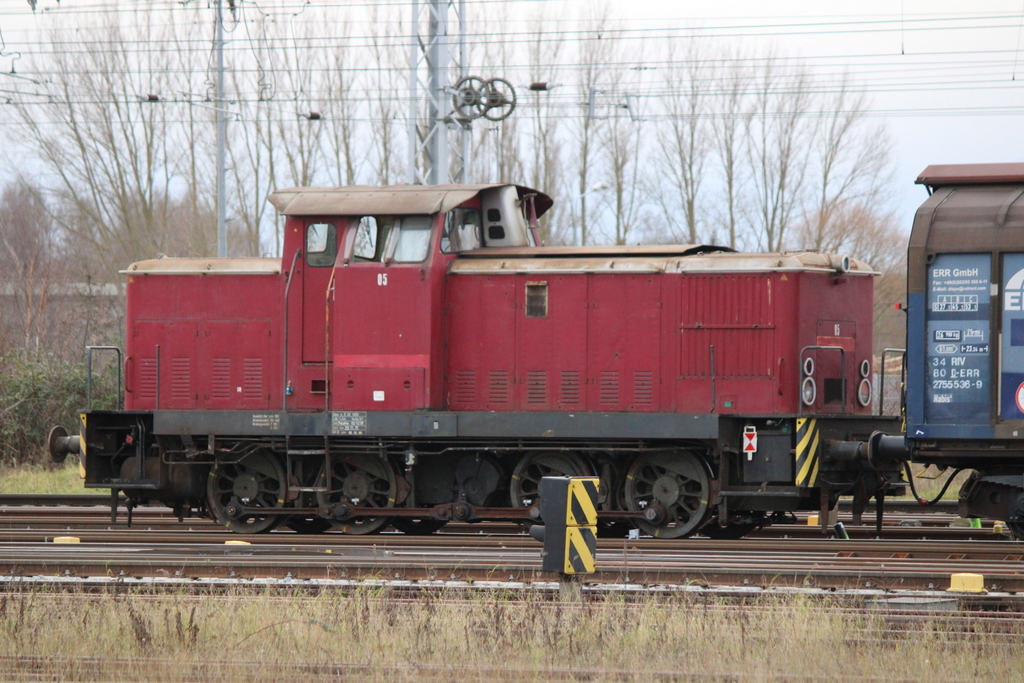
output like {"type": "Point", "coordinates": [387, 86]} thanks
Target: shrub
{"type": "Point", "coordinates": [38, 391]}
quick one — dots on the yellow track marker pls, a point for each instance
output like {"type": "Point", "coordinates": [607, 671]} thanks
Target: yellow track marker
{"type": "Point", "coordinates": [966, 583]}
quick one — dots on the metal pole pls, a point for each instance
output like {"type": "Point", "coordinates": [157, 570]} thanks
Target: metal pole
{"type": "Point", "coordinates": [414, 143]}
{"type": "Point", "coordinates": [222, 231]}
{"type": "Point", "coordinates": [466, 134]}
{"type": "Point", "coordinates": [439, 58]}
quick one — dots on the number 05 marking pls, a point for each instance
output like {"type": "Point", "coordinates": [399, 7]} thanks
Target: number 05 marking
{"type": "Point", "coordinates": [382, 279]}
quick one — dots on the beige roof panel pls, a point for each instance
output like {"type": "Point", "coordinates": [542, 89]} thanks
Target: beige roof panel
{"type": "Point", "coordinates": [361, 200]}
{"type": "Point", "coordinates": [607, 251]}
{"type": "Point", "coordinates": [205, 266]}
{"type": "Point", "coordinates": [703, 263]}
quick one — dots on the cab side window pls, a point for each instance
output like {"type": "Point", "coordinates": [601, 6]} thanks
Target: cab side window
{"type": "Point", "coordinates": [413, 239]}
{"type": "Point", "coordinates": [461, 231]}
{"type": "Point", "coordinates": [372, 237]}
{"type": "Point", "coordinates": [321, 244]}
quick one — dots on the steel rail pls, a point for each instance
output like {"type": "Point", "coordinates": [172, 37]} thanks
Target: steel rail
{"type": "Point", "coordinates": [886, 565]}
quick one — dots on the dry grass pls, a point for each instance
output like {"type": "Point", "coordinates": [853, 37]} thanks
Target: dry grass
{"type": "Point", "coordinates": [47, 479]}
{"type": "Point", "coordinates": [370, 635]}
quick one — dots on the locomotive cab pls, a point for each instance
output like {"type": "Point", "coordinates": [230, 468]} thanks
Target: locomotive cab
{"type": "Point", "coordinates": [367, 287]}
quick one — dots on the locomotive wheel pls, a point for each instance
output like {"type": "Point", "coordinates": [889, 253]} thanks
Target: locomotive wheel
{"type": "Point", "coordinates": [673, 488]}
{"type": "Point", "coordinates": [256, 480]}
{"type": "Point", "coordinates": [533, 466]}
{"type": "Point", "coordinates": [365, 481]}
{"type": "Point", "coordinates": [308, 525]}
{"type": "Point", "coordinates": [417, 527]}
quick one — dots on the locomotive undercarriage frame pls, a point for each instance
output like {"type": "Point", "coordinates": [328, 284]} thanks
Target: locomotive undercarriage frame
{"type": "Point", "coordinates": [669, 487]}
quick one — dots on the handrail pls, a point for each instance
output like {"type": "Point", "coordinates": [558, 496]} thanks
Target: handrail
{"type": "Point", "coordinates": [327, 342]}
{"type": "Point", "coordinates": [157, 407]}
{"type": "Point", "coordinates": [120, 374]}
{"type": "Point", "coordinates": [287, 289]}
{"type": "Point", "coordinates": [881, 381]}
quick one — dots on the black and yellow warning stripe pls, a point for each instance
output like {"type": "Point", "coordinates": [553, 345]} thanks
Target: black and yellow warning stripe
{"type": "Point", "coordinates": [581, 508]}
{"type": "Point", "coordinates": [580, 549]}
{"type": "Point", "coordinates": [808, 449]}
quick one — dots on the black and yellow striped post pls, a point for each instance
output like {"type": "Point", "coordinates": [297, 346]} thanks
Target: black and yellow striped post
{"type": "Point", "coordinates": [568, 507]}
{"type": "Point", "coordinates": [808, 446]}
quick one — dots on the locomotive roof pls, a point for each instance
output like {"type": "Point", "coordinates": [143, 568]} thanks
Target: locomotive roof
{"type": "Point", "coordinates": [613, 250]}
{"type": "Point", "coordinates": [363, 200]}
{"type": "Point", "coordinates": [211, 266]}
{"type": "Point", "coordinates": [602, 259]}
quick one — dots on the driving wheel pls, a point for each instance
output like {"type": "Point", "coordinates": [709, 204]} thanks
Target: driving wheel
{"type": "Point", "coordinates": [526, 477]}
{"type": "Point", "coordinates": [671, 488]}
{"type": "Point", "coordinates": [359, 480]}
{"type": "Point", "coordinates": [255, 480]}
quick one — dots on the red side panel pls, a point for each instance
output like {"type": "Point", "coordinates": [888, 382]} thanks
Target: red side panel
{"type": "Point", "coordinates": [236, 357]}
{"type": "Point", "coordinates": [551, 350]}
{"type": "Point", "coordinates": [726, 343]}
{"type": "Point", "coordinates": [597, 348]}
{"type": "Point", "coordinates": [624, 343]}
{"type": "Point", "coordinates": [481, 342]}
{"type": "Point", "coordinates": [729, 320]}
{"type": "Point", "coordinates": [219, 339]}
{"type": "Point", "coordinates": [176, 344]}
{"type": "Point", "coordinates": [836, 311]}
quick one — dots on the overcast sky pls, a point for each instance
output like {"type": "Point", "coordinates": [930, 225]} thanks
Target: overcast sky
{"type": "Point", "coordinates": [945, 76]}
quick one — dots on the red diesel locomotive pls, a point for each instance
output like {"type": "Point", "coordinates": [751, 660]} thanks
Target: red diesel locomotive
{"type": "Point", "coordinates": [415, 357]}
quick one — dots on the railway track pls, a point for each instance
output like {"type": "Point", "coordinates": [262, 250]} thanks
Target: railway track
{"type": "Point", "coordinates": [158, 549]}
{"type": "Point", "coordinates": [89, 512]}
{"type": "Point", "coordinates": [828, 565]}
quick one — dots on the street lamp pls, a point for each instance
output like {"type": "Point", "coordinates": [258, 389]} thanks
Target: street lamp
{"type": "Point", "coordinates": [596, 187]}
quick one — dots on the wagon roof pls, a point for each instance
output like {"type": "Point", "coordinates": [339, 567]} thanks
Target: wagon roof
{"type": "Point", "coordinates": [939, 175]}
{"type": "Point", "coordinates": [362, 200]}
{"type": "Point", "coordinates": [210, 266]}
{"type": "Point", "coordinates": [587, 261]}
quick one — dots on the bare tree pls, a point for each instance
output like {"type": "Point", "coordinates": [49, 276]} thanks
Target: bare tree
{"type": "Point", "coordinates": [779, 135]}
{"type": "Point", "coordinates": [622, 146]}
{"type": "Point", "coordinates": [545, 53]}
{"type": "Point", "coordinates": [731, 120]}
{"type": "Point", "coordinates": [30, 261]}
{"type": "Point", "coordinates": [340, 105]}
{"type": "Point", "coordinates": [387, 76]}
{"type": "Point", "coordinates": [115, 159]}
{"type": "Point", "coordinates": [685, 141]}
{"type": "Point", "coordinates": [853, 166]}
{"type": "Point", "coordinates": [595, 51]}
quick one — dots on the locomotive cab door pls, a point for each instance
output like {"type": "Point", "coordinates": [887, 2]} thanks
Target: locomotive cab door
{"type": "Point", "coordinates": [321, 250]}
{"type": "Point", "coordinates": [384, 333]}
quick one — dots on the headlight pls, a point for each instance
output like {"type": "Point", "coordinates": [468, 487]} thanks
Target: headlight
{"type": "Point", "coordinates": [865, 368]}
{"type": "Point", "coordinates": [808, 391]}
{"type": "Point", "coordinates": [808, 366]}
{"type": "Point", "coordinates": [864, 392]}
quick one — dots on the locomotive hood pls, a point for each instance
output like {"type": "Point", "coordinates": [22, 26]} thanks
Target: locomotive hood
{"type": "Point", "coordinates": [359, 200]}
